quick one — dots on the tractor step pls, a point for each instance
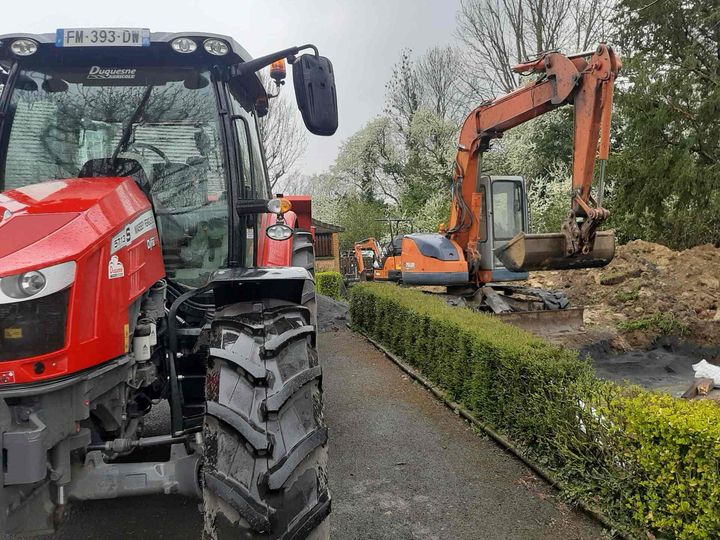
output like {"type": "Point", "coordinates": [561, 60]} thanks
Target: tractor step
{"type": "Point", "coordinates": [528, 252]}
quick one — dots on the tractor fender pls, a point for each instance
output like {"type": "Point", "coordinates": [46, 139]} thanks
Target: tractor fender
{"type": "Point", "coordinates": [232, 285]}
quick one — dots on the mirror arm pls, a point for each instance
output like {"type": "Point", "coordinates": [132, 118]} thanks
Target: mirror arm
{"type": "Point", "coordinates": [240, 70]}
{"type": "Point", "coordinates": [251, 206]}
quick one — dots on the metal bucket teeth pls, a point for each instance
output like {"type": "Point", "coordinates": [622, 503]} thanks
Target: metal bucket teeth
{"type": "Point", "coordinates": [528, 252]}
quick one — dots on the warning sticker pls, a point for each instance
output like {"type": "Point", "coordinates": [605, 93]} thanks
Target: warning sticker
{"type": "Point", "coordinates": [142, 224]}
{"type": "Point", "coordinates": [7, 377]}
{"type": "Point", "coordinates": [13, 333]}
{"type": "Point", "coordinates": [115, 268]}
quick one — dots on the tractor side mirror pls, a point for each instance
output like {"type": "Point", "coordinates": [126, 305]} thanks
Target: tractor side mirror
{"type": "Point", "coordinates": [314, 81]}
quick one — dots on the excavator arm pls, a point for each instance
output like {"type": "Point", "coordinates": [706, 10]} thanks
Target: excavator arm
{"type": "Point", "coordinates": [584, 80]}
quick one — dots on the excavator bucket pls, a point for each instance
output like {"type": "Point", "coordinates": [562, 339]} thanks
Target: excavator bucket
{"type": "Point", "coordinates": [528, 252]}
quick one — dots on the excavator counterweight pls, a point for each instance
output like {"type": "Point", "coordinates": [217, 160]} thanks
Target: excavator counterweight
{"type": "Point", "coordinates": [531, 252]}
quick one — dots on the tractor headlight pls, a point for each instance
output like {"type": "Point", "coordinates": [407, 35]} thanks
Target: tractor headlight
{"type": "Point", "coordinates": [24, 47]}
{"type": "Point", "coordinates": [279, 232]}
{"type": "Point", "coordinates": [183, 45]}
{"type": "Point", "coordinates": [216, 47]}
{"type": "Point", "coordinates": [36, 283]}
{"type": "Point", "coordinates": [32, 282]}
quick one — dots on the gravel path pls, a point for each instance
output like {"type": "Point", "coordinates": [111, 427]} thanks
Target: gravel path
{"type": "Point", "coordinates": [405, 467]}
{"type": "Point", "coordinates": [402, 466]}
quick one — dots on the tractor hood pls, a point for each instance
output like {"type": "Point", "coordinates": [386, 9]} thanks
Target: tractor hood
{"type": "Point", "coordinates": [52, 222]}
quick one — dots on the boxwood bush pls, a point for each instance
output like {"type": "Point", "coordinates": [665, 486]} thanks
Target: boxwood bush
{"type": "Point", "coordinates": [646, 460]}
{"type": "Point", "coordinates": [330, 284]}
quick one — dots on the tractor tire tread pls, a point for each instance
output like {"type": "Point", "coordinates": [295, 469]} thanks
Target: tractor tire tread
{"type": "Point", "coordinates": [265, 438]}
{"type": "Point", "coordinates": [274, 402]}
{"type": "Point", "coordinates": [239, 498]}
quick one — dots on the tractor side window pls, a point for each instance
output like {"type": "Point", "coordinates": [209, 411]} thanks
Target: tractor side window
{"type": "Point", "coordinates": [243, 135]}
{"type": "Point", "coordinates": [507, 205]}
{"type": "Point", "coordinates": [254, 180]}
{"type": "Point", "coordinates": [258, 160]}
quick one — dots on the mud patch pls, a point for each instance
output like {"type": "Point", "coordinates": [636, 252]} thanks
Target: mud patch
{"type": "Point", "coordinates": [667, 367]}
{"type": "Point", "coordinates": [332, 314]}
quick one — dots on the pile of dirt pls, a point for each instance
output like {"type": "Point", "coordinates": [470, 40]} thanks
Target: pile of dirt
{"type": "Point", "coordinates": [646, 292]}
{"type": "Point", "coordinates": [332, 314]}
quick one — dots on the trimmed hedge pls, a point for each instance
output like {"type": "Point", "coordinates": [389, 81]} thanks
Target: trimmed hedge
{"type": "Point", "coordinates": [330, 284]}
{"type": "Point", "coordinates": [646, 460]}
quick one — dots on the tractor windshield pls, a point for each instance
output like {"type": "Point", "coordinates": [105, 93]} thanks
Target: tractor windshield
{"type": "Point", "coordinates": [157, 125]}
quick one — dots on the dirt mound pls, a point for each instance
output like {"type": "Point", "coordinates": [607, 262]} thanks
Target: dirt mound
{"type": "Point", "coordinates": [647, 291]}
{"type": "Point", "coordinates": [332, 314]}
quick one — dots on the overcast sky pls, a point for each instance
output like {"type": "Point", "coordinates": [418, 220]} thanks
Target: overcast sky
{"type": "Point", "coordinates": [363, 38]}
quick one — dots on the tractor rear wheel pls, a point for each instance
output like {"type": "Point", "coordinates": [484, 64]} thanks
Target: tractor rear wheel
{"type": "Point", "coordinates": [303, 251]}
{"type": "Point", "coordinates": [265, 468]}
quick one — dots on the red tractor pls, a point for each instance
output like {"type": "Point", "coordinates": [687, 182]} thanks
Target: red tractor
{"type": "Point", "coordinates": [143, 260]}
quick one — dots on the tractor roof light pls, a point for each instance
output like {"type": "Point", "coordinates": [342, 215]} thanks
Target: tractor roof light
{"type": "Point", "coordinates": [183, 45]}
{"type": "Point", "coordinates": [216, 47]}
{"type": "Point", "coordinates": [279, 232]}
{"type": "Point", "coordinates": [279, 206]}
{"type": "Point", "coordinates": [278, 71]}
{"type": "Point", "coordinates": [24, 47]}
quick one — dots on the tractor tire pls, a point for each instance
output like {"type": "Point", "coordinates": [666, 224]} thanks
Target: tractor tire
{"type": "Point", "coordinates": [265, 440]}
{"type": "Point", "coordinates": [303, 251]}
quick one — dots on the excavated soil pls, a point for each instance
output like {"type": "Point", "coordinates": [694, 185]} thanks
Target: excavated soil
{"type": "Point", "coordinates": [646, 294]}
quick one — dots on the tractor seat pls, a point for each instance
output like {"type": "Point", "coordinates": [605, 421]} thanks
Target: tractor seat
{"type": "Point", "coordinates": [123, 167]}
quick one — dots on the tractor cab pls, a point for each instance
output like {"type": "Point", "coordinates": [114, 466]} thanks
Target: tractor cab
{"type": "Point", "coordinates": [176, 113]}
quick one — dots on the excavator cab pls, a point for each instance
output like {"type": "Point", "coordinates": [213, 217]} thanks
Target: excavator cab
{"type": "Point", "coordinates": [503, 216]}
{"type": "Point", "coordinates": [388, 266]}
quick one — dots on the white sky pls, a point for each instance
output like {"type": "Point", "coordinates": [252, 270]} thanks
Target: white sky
{"type": "Point", "coordinates": [363, 38]}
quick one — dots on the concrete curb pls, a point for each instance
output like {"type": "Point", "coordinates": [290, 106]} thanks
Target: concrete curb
{"type": "Point", "coordinates": [619, 531]}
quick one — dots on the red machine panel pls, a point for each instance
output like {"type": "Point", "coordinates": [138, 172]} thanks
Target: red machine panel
{"type": "Point", "coordinates": [106, 226]}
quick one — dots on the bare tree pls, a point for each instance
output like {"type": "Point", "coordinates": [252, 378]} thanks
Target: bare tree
{"type": "Point", "coordinates": [500, 33]}
{"type": "Point", "coordinates": [402, 93]}
{"type": "Point", "coordinates": [282, 133]}
{"type": "Point", "coordinates": [437, 73]}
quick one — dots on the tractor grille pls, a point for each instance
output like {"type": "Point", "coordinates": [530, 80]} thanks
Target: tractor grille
{"type": "Point", "coordinates": [33, 327]}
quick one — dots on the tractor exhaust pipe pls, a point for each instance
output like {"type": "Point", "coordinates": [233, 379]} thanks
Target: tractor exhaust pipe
{"type": "Point", "coordinates": [529, 252]}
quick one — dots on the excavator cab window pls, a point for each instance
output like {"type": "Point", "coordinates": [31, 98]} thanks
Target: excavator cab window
{"type": "Point", "coordinates": [508, 209]}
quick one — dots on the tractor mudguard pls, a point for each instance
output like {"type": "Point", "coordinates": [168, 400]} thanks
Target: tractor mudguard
{"type": "Point", "coordinates": [232, 285]}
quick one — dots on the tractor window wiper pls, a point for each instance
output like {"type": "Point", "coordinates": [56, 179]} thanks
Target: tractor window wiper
{"type": "Point", "coordinates": [128, 128]}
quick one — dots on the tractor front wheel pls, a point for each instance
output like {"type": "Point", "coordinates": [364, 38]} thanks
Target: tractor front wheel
{"type": "Point", "coordinates": [265, 466]}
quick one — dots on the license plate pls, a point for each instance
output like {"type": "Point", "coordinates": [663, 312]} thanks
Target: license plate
{"type": "Point", "coordinates": [102, 37]}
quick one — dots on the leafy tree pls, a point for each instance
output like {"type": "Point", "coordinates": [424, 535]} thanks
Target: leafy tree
{"type": "Point", "coordinates": [371, 161]}
{"type": "Point", "coordinates": [667, 175]}
{"type": "Point", "coordinates": [359, 219]}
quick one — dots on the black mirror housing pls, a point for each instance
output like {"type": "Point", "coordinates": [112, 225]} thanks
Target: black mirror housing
{"type": "Point", "coordinates": [314, 81]}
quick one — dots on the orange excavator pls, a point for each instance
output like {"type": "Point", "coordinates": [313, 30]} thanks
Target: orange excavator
{"type": "Point", "coordinates": [371, 261]}
{"type": "Point", "coordinates": [487, 239]}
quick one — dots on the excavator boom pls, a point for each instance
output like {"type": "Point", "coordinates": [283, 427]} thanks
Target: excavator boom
{"type": "Point", "coordinates": [586, 81]}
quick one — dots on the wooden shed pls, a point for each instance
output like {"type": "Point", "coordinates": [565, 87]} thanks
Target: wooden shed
{"type": "Point", "coordinates": [327, 246]}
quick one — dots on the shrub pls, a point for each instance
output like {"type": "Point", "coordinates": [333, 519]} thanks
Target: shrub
{"type": "Point", "coordinates": [330, 284]}
{"type": "Point", "coordinates": [648, 460]}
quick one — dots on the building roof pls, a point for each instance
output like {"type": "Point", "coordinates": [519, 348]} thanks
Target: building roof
{"type": "Point", "coordinates": [322, 227]}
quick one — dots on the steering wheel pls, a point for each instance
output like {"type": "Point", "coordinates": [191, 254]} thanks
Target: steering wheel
{"type": "Point", "coordinates": [152, 148]}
